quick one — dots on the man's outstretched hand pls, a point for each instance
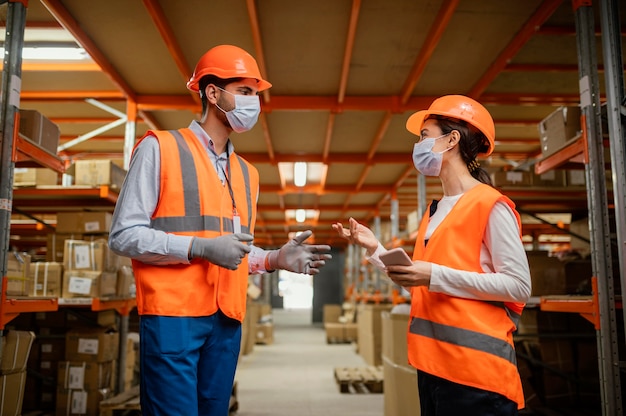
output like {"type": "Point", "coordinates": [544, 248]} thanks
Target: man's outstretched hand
{"type": "Point", "coordinates": [298, 257]}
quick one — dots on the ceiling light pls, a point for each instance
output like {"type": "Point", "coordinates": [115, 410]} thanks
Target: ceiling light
{"type": "Point", "coordinates": [53, 54]}
{"type": "Point", "coordinates": [300, 215]}
{"type": "Point", "coordinates": [299, 173]}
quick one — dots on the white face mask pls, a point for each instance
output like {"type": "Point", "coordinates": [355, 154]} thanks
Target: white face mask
{"type": "Point", "coordinates": [245, 114]}
{"type": "Point", "coordinates": [426, 161]}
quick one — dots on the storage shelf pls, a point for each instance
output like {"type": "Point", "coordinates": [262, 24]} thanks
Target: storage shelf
{"type": "Point", "coordinates": [121, 305]}
{"type": "Point", "coordinates": [12, 306]}
{"type": "Point", "coordinates": [57, 198]}
{"type": "Point", "coordinates": [28, 154]}
{"type": "Point", "coordinates": [575, 151]}
{"type": "Point", "coordinates": [586, 306]}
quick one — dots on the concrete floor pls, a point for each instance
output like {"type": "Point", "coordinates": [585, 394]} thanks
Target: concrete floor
{"type": "Point", "coordinates": [294, 375]}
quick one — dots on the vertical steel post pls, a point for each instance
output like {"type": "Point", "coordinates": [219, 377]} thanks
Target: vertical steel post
{"type": "Point", "coordinates": [608, 360]}
{"type": "Point", "coordinates": [616, 119]}
{"type": "Point", "coordinates": [9, 106]}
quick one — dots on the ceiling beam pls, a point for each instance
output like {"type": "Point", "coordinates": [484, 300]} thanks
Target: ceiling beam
{"type": "Point", "coordinates": [304, 102]}
{"type": "Point", "coordinates": [545, 10]}
{"type": "Point", "coordinates": [63, 16]}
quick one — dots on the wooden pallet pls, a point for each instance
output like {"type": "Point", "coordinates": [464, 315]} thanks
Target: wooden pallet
{"type": "Point", "coordinates": [359, 379]}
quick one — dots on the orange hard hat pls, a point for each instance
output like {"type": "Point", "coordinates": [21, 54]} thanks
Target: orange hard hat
{"type": "Point", "coordinates": [459, 107]}
{"type": "Point", "coordinates": [227, 61]}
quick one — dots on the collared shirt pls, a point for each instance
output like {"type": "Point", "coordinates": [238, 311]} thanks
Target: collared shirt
{"type": "Point", "coordinates": [131, 234]}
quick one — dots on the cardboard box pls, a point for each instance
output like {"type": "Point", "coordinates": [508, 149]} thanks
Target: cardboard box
{"type": "Point", "coordinates": [83, 222]}
{"type": "Point", "coordinates": [547, 274]}
{"type": "Point", "coordinates": [51, 350]}
{"type": "Point", "coordinates": [18, 279]}
{"type": "Point", "coordinates": [83, 375]}
{"type": "Point", "coordinates": [39, 130]}
{"type": "Point", "coordinates": [98, 172]}
{"type": "Point", "coordinates": [265, 333]}
{"type": "Point", "coordinates": [400, 394]}
{"type": "Point", "coordinates": [84, 283]}
{"type": "Point", "coordinates": [16, 347]}
{"type": "Point", "coordinates": [80, 402]}
{"type": "Point", "coordinates": [55, 245]}
{"type": "Point", "coordinates": [47, 279]}
{"type": "Point", "coordinates": [12, 393]}
{"type": "Point", "coordinates": [92, 255]}
{"type": "Point", "coordinates": [552, 179]}
{"type": "Point", "coordinates": [511, 178]}
{"type": "Point", "coordinates": [34, 177]}
{"type": "Point", "coordinates": [81, 318]}
{"type": "Point", "coordinates": [125, 282]}
{"type": "Point", "coordinates": [558, 129]}
{"type": "Point", "coordinates": [332, 313]}
{"type": "Point", "coordinates": [92, 345]}
{"type": "Point", "coordinates": [369, 332]}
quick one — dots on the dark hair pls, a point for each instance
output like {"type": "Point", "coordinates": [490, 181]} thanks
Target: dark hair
{"type": "Point", "coordinates": [472, 143]}
{"type": "Point", "coordinates": [218, 82]}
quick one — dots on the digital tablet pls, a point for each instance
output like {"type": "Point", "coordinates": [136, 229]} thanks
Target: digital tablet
{"type": "Point", "coordinates": [396, 257]}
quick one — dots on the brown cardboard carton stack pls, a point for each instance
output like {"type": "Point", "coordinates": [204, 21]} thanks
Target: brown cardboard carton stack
{"type": "Point", "coordinates": [339, 324]}
{"type": "Point", "coordinates": [369, 328]}
{"type": "Point", "coordinates": [90, 269]}
{"type": "Point", "coordinates": [96, 172]}
{"type": "Point", "coordinates": [38, 129]}
{"type": "Point", "coordinates": [46, 279]}
{"type": "Point", "coordinates": [87, 376]}
{"type": "Point", "coordinates": [18, 279]}
{"type": "Point", "coordinates": [401, 394]}
{"type": "Point", "coordinates": [16, 346]}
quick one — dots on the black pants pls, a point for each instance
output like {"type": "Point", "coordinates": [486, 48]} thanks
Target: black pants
{"type": "Point", "coordinates": [440, 397]}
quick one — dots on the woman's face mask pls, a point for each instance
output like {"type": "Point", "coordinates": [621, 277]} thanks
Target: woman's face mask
{"type": "Point", "coordinates": [245, 114]}
{"type": "Point", "coordinates": [426, 161]}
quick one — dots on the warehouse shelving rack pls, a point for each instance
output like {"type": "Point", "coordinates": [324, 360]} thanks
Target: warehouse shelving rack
{"type": "Point", "coordinates": [18, 151]}
{"type": "Point", "coordinates": [600, 308]}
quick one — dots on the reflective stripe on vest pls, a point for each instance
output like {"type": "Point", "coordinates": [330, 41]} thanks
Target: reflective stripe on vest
{"type": "Point", "coordinates": [464, 338]}
{"type": "Point", "coordinates": [193, 221]}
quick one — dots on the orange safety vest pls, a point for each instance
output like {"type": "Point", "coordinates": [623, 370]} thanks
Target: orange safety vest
{"type": "Point", "coordinates": [466, 341]}
{"type": "Point", "coordinates": [193, 201]}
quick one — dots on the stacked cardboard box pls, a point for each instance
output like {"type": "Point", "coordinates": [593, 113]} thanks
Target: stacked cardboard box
{"type": "Point", "coordinates": [401, 395]}
{"type": "Point", "coordinates": [16, 346]}
{"type": "Point", "coordinates": [339, 324]}
{"type": "Point", "coordinates": [87, 375]}
{"type": "Point", "coordinates": [369, 332]}
{"type": "Point", "coordinates": [18, 280]}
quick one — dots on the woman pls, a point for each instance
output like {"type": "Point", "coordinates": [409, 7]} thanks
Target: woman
{"type": "Point", "coordinates": [469, 279]}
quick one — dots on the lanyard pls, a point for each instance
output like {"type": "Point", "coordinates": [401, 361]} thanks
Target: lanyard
{"type": "Point", "coordinates": [236, 217]}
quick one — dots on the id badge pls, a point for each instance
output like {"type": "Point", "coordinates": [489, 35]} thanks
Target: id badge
{"type": "Point", "coordinates": [236, 223]}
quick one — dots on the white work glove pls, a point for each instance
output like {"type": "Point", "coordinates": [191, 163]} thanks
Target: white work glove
{"type": "Point", "coordinates": [225, 251]}
{"type": "Point", "coordinates": [299, 258]}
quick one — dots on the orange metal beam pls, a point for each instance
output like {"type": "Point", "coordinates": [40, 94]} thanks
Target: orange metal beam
{"type": "Point", "coordinates": [545, 10]}
{"type": "Point", "coordinates": [303, 102]}
{"type": "Point", "coordinates": [440, 23]}
{"type": "Point", "coordinates": [62, 15]}
{"type": "Point", "coordinates": [258, 44]}
{"type": "Point", "coordinates": [347, 56]}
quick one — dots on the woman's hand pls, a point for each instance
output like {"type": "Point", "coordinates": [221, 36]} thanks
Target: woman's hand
{"type": "Point", "coordinates": [358, 234]}
{"type": "Point", "coordinates": [417, 274]}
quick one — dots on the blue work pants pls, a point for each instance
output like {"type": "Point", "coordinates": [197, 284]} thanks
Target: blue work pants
{"type": "Point", "coordinates": [188, 364]}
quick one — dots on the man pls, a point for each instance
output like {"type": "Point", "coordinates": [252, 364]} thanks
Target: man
{"type": "Point", "coordinates": [186, 216]}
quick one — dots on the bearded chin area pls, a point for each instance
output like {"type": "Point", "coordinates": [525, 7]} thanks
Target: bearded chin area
{"type": "Point", "coordinates": [221, 115]}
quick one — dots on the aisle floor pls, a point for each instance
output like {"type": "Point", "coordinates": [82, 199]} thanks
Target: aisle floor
{"type": "Point", "coordinates": [294, 375]}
